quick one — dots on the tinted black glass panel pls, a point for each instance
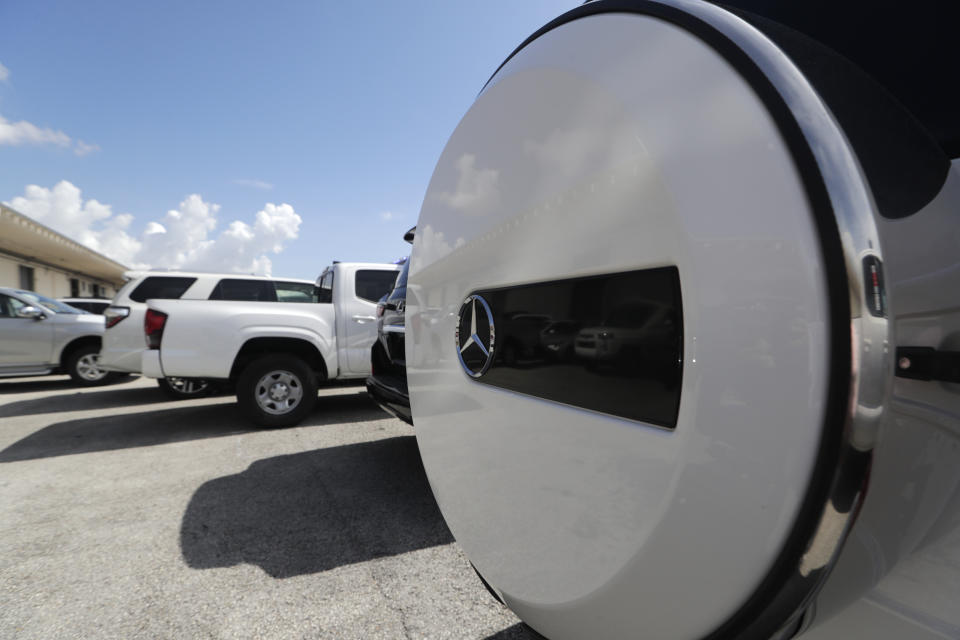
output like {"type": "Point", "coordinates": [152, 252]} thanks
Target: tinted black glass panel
{"type": "Point", "coordinates": [611, 343]}
{"type": "Point", "coordinates": [92, 307]}
{"type": "Point", "coordinates": [325, 287]}
{"type": "Point", "coordinates": [161, 288]}
{"type": "Point", "coordinates": [374, 284]}
{"type": "Point", "coordinates": [244, 290]}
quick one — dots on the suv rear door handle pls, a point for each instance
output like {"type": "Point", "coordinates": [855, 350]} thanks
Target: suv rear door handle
{"type": "Point", "coordinates": [363, 319]}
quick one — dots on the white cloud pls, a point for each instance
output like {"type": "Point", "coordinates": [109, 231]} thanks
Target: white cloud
{"type": "Point", "coordinates": [387, 216]}
{"type": "Point", "coordinates": [154, 227]}
{"type": "Point", "coordinates": [182, 239]}
{"type": "Point", "coordinates": [477, 189]}
{"type": "Point", "coordinates": [22, 132]}
{"type": "Point", "coordinates": [82, 148]}
{"type": "Point", "coordinates": [89, 222]}
{"type": "Point", "coordinates": [256, 184]}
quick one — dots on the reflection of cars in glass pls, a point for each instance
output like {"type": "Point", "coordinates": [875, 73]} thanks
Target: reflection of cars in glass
{"type": "Point", "coordinates": [521, 340]}
{"type": "Point", "coordinates": [636, 336]}
{"type": "Point", "coordinates": [387, 383]}
{"type": "Point", "coordinates": [40, 335]}
{"type": "Point", "coordinates": [557, 338]}
{"type": "Point", "coordinates": [91, 305]}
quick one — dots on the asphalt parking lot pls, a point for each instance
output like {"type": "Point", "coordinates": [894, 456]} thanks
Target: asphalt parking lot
{"type": "Point", "coordinates": [126, 515]}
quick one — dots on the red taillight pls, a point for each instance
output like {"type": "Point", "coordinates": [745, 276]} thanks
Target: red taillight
{"type": "Point", "coordinates": [379, 309]}
{"type": "Point", "coordinates": [153, 324]}
{"type": "Point", "coordinates": [114, 315]}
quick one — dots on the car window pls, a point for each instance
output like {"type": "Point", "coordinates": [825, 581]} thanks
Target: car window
{"type": "Point", "coordinates": [161, 288]}
{"type": "Point", "coordinates": [295, 292]}
{"type": "Point", "coordinates": [325, 288]}
{"type": "Point", "coordinates": [48, 303]}
{"type": "Point", "coordinates": [244, 290]}
{"type": "Point", "coordinates": [373, 284]}
{"type": "Point", "coordinates": [88, 306]}
{"type": "Point", "coordinates": [9, 306]}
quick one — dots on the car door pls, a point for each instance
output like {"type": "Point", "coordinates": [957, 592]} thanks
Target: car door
{"type": "Point", "coordinates": [360, 315]}
{"type": "Point", "coordinates": [23, 341]}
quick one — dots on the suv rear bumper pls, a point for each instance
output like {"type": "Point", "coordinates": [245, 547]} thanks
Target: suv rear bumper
{"type": "Point", "coordinates": [123, 360]}
{"type": "Point", "coordinates": [150, 363]}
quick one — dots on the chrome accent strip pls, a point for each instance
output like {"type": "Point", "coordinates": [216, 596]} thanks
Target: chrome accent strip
{"type": "Point", "coordinates": [870, 357]}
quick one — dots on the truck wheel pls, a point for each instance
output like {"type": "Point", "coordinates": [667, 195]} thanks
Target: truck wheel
{"type": "Point", "coordinates": [83, 365]}
{"type": "Point", "coordinates": [277, 391]}
{"type": "Point", "coordinates": [183, 388]}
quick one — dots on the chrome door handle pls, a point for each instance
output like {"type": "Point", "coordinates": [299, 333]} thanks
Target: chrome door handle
{"type": "Point", "coordinates": [363, 319]}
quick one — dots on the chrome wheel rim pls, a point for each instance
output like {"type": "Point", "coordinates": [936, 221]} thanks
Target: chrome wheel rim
{"type": "Point", "coordinates": [278, 392]}
{"type": "Point", "coordinates": [88, 367]}
{"type": "Point", "coordinates": [187, 386]}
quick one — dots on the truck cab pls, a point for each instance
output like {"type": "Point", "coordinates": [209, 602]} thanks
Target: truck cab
{"type": "Point", "coordinates": [354, 289]}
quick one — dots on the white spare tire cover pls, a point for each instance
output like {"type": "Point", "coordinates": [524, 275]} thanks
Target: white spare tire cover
{"type": "Point", "coordinates": [621, 173]}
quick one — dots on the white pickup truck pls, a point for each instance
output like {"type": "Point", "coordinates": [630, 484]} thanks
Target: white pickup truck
{"type": "Point", "coordinates": [274, 351]}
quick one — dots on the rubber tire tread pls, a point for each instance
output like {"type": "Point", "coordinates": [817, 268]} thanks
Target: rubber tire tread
{"type": "Point", "coordinates": [250, 376]}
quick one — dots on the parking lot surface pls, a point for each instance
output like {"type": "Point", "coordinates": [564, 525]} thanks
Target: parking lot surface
{"type": "Point", "coordinates": [126, 515]}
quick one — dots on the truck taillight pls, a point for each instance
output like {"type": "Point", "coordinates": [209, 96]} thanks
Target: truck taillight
{"type": "Point", "coordinates": [114, 315]}
{"type": "Point", "coordinates": [153, 324]}
{"type": "Point", "coordinates": [380, 306]}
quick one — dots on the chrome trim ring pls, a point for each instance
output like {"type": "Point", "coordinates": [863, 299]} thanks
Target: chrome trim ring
{"type": "Point", "coordinates": [869, 375]}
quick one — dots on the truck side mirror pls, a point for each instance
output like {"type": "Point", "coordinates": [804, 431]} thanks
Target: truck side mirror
{"type": "Point", "coordinates": [31, 312]}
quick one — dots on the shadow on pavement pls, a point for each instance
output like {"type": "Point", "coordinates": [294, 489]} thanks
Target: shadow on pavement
{"type": "Point", "coordinates": [170, 425]}
{"type": "Point", "coordinates": [309, 512]}
{"type": "Point", "coordinates": [518, 631]}
{"type": "Point", "coordinates": [100, 399]}
{"type": "Point", "coordinates": [53, 383]}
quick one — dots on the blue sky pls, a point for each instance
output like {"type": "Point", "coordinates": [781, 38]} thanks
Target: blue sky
{"type": "Point", "coordinates": [339, 110]}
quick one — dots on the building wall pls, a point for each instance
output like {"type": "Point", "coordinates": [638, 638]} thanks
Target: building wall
{"type": "Point", "coordinates": [50, 281]}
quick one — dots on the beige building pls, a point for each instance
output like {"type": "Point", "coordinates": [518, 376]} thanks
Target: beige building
{"type": "Point", "coordinates": [38, 258]}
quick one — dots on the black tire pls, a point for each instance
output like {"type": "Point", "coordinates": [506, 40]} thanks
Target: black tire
{"type": "Point", "coordinates": [256, 393]}
{"type": "Point", "coordinates": [78, 365]}
{"type": "Point", "coordinates": [184, 388]}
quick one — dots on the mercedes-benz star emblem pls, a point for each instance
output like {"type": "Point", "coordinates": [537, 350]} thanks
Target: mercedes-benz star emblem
{"type": "Point", "coordinates": [475, 336]}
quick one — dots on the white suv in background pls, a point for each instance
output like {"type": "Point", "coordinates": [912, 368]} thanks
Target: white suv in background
{"type": "Point", "coordinates": [123, 339]}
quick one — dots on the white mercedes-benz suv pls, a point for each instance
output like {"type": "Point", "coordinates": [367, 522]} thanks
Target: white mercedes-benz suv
{"type": "Point", "coordinates": [751, 216]}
